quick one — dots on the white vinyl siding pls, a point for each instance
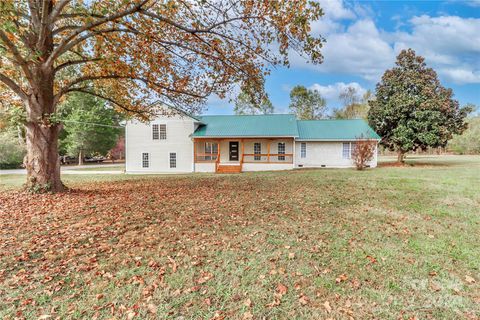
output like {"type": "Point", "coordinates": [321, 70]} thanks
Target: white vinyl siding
{"type": "Point", "coordinates": [178, 140]}
{"type": "Point", "coordinates": [163, 132]}
{"type": "Point", "coordinates": [173, 160]}
{"type": "Point", "coordinates": [303, 150]}
{"type": "Point", "coordinates": [257, 149]}
{"type": "Point", "coordinates": [145, 160]}
{"type": "Point", "coordinates": [328, 154]}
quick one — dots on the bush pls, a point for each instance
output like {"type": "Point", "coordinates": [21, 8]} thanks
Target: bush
{"type": "Point", "coordinates": [363, 152]}
{"type": "Point", "coordinates": [12, 150]}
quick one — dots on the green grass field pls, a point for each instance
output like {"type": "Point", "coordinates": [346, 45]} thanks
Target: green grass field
{"type": "Point", "coordinates": [387, 243]}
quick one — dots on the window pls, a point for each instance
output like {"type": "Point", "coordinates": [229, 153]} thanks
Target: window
{"type": "Point", "coordinates": [303, 150]}
{"type": "Point", "coordinates": [173, 160]}
{"type": "Point", "coordinates": [211, 151]}
{"type": "Point", "coordinates": [145, 160]}
{"type": "Point", "coordinates": [155, 134]}
{"type": "Point", "coordinates": [346, 152]}
{"type": "Point", "coordinates": [163, 132]}
{"type": "Point", "coordinates": [257, 149]}
{"type": "Point", "coordinates": [281, 150]}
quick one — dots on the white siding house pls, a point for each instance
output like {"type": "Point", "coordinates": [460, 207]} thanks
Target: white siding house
{"type": "Point", "coordinates": [182, 143]}
{"type": "Point", "coordinates": [161, 146]}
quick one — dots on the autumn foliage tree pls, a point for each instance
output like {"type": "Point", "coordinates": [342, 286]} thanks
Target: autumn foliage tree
{"type": "Point", "coordinates": [135, 53]}
{"type": "Point", "coordinates": [363, 152]}
{"type": "Point", "coordinates": [412, 110]}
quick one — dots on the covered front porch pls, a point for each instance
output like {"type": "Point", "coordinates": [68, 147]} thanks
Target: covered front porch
{"type": "Point", "coordinates": [231, 155]}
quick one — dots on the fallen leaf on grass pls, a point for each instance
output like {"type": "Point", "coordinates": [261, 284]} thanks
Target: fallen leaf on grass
{"type": "Point", "coordinates": [469, 279]}
{"type": "Point", "coordinates": [304, 300]}
{"type": "Point", "coordinates": [341, 278]}
{"type": "Point", "coordinates": [327, 306]}
{"type": "Point", "coordinates": [281, 289]}
{"type": "Point", "coordinates": [248, 303]}
{"type": "Point", "coordinates": [205, 277]}
{"type": "Point", "coordinates": [173, 264]}
{"type": "Point", "coordinates": [274, 303]}
{"type": "Point", "coordinates": [152, 308]}
{"type": "Point", "coordinates": [247, 316]}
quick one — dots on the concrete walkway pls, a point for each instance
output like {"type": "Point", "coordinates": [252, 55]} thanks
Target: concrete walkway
{"type": "Point", "coordinates": [76, 169]}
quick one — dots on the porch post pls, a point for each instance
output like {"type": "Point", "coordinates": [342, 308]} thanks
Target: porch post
{"type": "Point", "coordinates": [194, 150]}
{"type": "Point", "coordinates": [294, 153]}
{"type": "Point", "coordinates": [268, 150]}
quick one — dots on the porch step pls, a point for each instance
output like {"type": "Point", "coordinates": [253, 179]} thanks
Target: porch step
{"type": "Point", "coordinates": [229, 169]}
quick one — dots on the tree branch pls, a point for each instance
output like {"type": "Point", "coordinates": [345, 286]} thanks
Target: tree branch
{"type": "Point", "coordinates": [95, 94]}
{"type": "Point", "coordinates": [66, 41]}
{"type": "Point", "coordinates": [57, 10]}
{"type": "Point", "coordinates": [116, 76]}
{"type": "Point", "coordinates": [74, 62]}
{"type": "Point", "coordinates": [16, 54]}
{"type": "Point", "coordinates": [13, 86]}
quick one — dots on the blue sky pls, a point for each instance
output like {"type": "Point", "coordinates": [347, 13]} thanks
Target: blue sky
{"type": "Point", "coordinates": [363, 39]}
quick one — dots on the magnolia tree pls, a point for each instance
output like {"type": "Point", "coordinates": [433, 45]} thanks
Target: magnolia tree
{"type": "Point", "coordinates": [137, 53]}
{"type": "Point", "coordinates": [412, 110]}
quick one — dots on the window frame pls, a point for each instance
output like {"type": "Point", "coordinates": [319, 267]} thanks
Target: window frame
{"type": "Point", "coordinates": [162, 131]}
{"type": "Point", "coordinates": [257, 151]}
{"type": "Point", "coordinates": [210, 148]}
{"type": "Point", "coordinates": [346, 152]}
{"type": "Point", "coordinates": [145, 160]}
{"type": "Point", "coordinates": [173, 160]}
{"type": "Point", "coordinates": [155, 131]}
{"type": "Point", "coordinates": [280, 146]}
{"type": "Point", "coordinates": [303, 150]}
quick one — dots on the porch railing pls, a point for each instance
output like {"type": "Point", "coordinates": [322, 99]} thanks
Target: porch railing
{"type": "Point", "coordinates": [267, 158]}
{"type": "Point", "coordinates": [207, 157]}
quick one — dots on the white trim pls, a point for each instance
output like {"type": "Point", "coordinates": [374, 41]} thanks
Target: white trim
{"type": "Point", "coordinates": [332, 140]}
{"type": "Point", "coordinates": [126, 147]}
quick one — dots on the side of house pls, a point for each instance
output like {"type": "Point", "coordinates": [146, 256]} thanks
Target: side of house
{"type": "Point", "coordinates": [182, 143]}
{"type": "Point", "coordinates": [161, 146]}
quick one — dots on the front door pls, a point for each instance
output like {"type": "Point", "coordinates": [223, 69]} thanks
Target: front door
{"type": "Point", "coordinates": [233, 151]}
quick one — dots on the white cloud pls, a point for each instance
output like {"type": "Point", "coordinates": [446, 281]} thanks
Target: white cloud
{"type": "Point", "coordinates": [450, 44]}
{"type": "Point", "coordinates": [331, 91]}
{"type": "Point", "coordinates": [336, 10]}
{"type": "Point", "coordinates": [461, 75]}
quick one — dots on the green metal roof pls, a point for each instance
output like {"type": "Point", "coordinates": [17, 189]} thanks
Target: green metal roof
{"type": "Point", "coordinates": [270, 125]}
{"type": "Point", "coordinates": [334, 130]}
{"type": "Point", "coordinates": [282, 125]}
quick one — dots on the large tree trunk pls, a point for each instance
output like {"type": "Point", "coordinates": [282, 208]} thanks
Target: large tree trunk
{"type": "Point", "coordinates": [43, 162]}
{"type": "Point", "coordinates": [400, 157]}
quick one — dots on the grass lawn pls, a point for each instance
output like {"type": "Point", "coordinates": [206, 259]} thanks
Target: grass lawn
{"type": "Point", "coordinates": [387, 243]}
